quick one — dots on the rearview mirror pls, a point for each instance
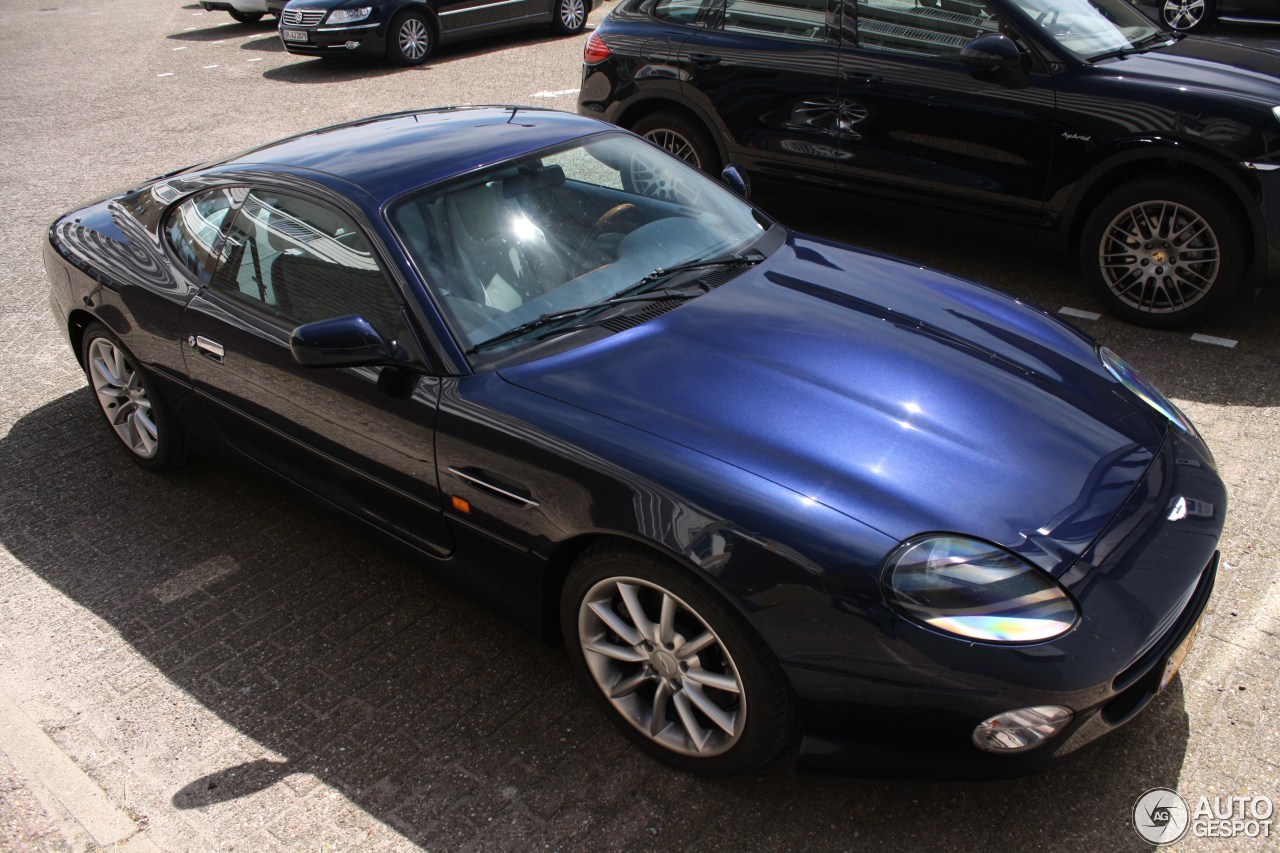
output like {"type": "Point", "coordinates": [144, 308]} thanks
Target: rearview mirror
{"type": "Point", "coordinates": [991, 52]}
{"type": "Point", "coordinates": [735, 179]}
{"type": "Point", "coordinates": [341, 342]}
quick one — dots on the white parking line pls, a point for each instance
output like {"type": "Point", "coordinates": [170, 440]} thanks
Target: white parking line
{"type": "Point", "coordinates": [256, 59]}
{"type": "Point", "coordinates": [165, 74]}
{"type": "Point", "coordinates": [1076, 312]}
{"type": "Point", "coordinates": [211, 66]}
{"type": "Point", "coordinates": [188, 29]}
{"type": "Point", "coordinates": [184, 47]}
{"type": "Point", "coordinates": [1217, 342]}
{"type": "Point", "coordinates": [553, 94]}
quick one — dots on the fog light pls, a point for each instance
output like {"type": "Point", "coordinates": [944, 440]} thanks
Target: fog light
{"type": "Point", "coordinates": [351, 45]}
{"type": "Point", "coordinates": [1025, 728]}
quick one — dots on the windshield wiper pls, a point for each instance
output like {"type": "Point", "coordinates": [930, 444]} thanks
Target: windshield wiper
{"type": "Point", "coordinates": [551, 316]}
{"type": "Point", "coordinates": [751, 257]}
{"type": "Point", "coordinates": [1141, 45]}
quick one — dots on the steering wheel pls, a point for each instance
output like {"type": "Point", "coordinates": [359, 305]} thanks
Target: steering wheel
{"type": "Point", "coordinates": [606, 219]}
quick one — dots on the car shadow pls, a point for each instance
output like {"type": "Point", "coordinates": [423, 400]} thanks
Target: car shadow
{"type": "Point", "coordinates": [221, 31]}
{"type": "Point", "coordinates": [1236, 375]}
{"type": "Point", "coordinates": [266, 44]}
{"type": "Point", "coordinates": [354, 668]}
{"type": "Point", "coordinates": [333, 69]}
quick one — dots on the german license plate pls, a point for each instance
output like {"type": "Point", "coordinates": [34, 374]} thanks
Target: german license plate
{"type": "Point", "coordinates": [1179, 655]}
{"type": "Point", "coordinates": [293, 35]}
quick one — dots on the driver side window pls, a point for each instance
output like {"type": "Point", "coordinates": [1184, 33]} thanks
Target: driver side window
{"type": "Point", "coordinates": [927, 28]}
{"type": "Point", "coordinates": [302, 261]}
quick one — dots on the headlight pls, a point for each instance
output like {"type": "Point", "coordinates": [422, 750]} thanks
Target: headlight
{"type": "Point", "coordinates": [346, 16]}
{"type": "Point", "coordinates": [977, 591]}
{"type": "Point", "coordinates": [1148, 393]}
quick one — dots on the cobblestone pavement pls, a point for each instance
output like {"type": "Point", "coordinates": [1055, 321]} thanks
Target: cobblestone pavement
{"type": "Point", "coordinates": [202, 662]}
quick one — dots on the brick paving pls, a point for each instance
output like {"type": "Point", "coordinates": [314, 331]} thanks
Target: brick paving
{"type": "Point", "coordinates": [237, 671]}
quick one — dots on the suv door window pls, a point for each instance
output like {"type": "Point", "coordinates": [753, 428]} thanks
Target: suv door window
{"type": "Point", "coordinates": [923, 27]}
{"type": "Point", "coordinates": [792, 19]}
{"type": "Point", "coordinates": [302, 261]}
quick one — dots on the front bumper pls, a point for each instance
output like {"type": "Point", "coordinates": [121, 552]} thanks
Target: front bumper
{"type": "Point", "coordinates": [1142, 587]}
{"type": "Point", "coordinates": [369, 38]}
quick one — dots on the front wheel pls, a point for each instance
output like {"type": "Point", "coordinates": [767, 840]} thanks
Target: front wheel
{"type": "Point", "coordinates": [409, 39]}
{"type": "Point", "coordinates": [672, 664]}
{"type": "Point", "coordinates": [126, 398]}
{"type": "Point", "coordinates": [245, 17]}
{"type": "Point", "coordinates": [682, 137]}
{"type": "Point", "coordinates": [570, 17]}
{"type": "Point", "coordinates": [1186, 15]}
{"type": "Point", "coordinates": [1163, 254]}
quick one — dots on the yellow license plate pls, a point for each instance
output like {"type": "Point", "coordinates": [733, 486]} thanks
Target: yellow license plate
{"type": "Point", "coordinates": [1179, 655]}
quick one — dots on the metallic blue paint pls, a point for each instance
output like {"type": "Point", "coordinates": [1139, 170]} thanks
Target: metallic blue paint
{"type": "Point", "coordinates": [779, 436]}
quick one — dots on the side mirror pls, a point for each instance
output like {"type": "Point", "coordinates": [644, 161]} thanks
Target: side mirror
{"type": "Point", "coordinates": [735, 179]}
{"type": "Point", "coordinates": [340, 342]}
{"type": "Point", "coordinates": [991, 52]}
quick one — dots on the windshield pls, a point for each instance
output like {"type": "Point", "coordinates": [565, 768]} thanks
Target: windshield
{"type": "Point", "coordinates": [1091, 29]}
{"type": "Point", "coordinates": [564, 227]}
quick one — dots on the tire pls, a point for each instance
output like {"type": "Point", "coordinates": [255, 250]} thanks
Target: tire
{"type": "Point", "coordinates": [681, 136]}
{"type": "Point", "coordinates": [1188, 16]}
{"type": "Point", "coordinates": [128, 401]}
{"type": "Point", "coordinates": [245, 17]}
{"type": "Point", "coordinates": [570, 17]}
{"type": "Point", "coordinates": [642, 673]}
{"type": "Point", "coordinates": [410, 39]}
{"type": "Point", "coordinates": [1163, 253]}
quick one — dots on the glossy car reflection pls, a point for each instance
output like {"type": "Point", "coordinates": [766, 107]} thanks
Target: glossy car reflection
{"type": "Point", "coordinates": [405, 32]}
{"type": "Point", "coordinates": [1077, 123]}
{"type": "Point", "coordinates": [1195, 15]}
{"type": "Point", "coordinates": [754, 479]}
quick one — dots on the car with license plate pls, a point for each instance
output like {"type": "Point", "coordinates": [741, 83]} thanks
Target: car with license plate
{"type": "Point", "coordinates": [1081, 125]}
{"type": "Point", "coordinates": [758, 482]}
{"type": "Point", "coordinates": [405, 32]}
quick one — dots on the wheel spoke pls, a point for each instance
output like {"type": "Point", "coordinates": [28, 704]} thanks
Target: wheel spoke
{"type": "Point", "coordinates": [605, 614]}
{"type": "Point", "coordinates": [696, 645]}
{"type": "Point", "coordinates": [727, 683]}
{"type": "Point", "coordinates": [626, 654]}
{"type": "Point", "coordinates": [722, 718]}
{"type": "Point", "coordinates": [627, 686]}
{"type": "Point", "coordinates": [631, 598]}
{"type": "Point", "coordinates": [658, 715]}
{"type": "Point", "coordinates": [667, 621]}
{"type": "Point", "coordinates": [698, 736]}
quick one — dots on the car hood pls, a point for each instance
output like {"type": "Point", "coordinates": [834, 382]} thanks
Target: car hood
{"type": "Point", "coordinates": [1193, 63]}
{"type": "Point", "coordinates": [904, 398]}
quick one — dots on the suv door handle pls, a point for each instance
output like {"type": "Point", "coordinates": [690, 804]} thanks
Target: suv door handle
{"type": "Point", "coordinates": [207, 347]}
{"type": "Point", "coordinates": [863, 79]}
{"type": "Point", "coordinates": [704, 60]}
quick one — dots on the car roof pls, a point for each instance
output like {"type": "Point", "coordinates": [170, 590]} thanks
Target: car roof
{"type": "Point", "coordinates": [387, 155]}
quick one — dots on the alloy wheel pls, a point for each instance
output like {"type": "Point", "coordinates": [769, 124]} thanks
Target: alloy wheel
{"type": "Point", "coordinates": [1183, 14]}
{"type": "Point", "coordinates": [676, 143]}
{"type": "Point", "coordinates": [1159, 257]}
{"type": "Point", "coordinates": [123, 398]}
{"type": "Point", "coordinates": [414, 38]}
{"type": "Point", "coordinates": [661, 666]}
{"type": "Point", "coordinates": [573, 13]}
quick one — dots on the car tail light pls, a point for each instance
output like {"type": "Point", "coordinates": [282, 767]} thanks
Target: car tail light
{"type": "Point", "coordinates": [596, 50]}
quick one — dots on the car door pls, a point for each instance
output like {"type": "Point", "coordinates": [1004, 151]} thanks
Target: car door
{"type": "Point", "coordinates": [361, 438]}
{"type": "Point", "coordinates": [768, 69]}
{"type": "Point", "coordinates": [460, 17]}
{"type": "Point", "coordinates": [927, 128]}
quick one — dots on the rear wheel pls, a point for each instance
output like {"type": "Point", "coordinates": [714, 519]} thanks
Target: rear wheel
{"type": "Point", "coordinates": [1186, 15]}
{"type": "Point", "coordinates": [672, 664]}
{"type": "Point", "coordinates": [570, 17]}
{"type": "Point", "coordinates": [1162, 253]}
{"type": "Point", "coordinates": [246, 17]}
{"type": "Point", "coordinates": [409, 39]}
{"type": "Point", "coordinates": [126, 398]}
{"type": "Point", "coordinates": [682, 137]}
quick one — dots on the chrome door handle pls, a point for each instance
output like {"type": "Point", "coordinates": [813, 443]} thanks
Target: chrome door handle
{"type": "Point", "coordinates": [207, 347]}
{"type": "Point", "coordinates": [467, 476]}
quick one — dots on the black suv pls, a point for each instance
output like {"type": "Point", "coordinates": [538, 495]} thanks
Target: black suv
{"type": "Point", "coordinates": [406, 31]}
{"type": "Point", "coordinates": [1078, 122]}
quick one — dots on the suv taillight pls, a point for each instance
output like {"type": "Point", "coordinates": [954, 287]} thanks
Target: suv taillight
{"type": "Point", "coordinates": [596, 50]}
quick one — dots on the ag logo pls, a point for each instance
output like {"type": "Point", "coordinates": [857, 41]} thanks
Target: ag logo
{"type": "Point", "coordinates": [1160, 816]}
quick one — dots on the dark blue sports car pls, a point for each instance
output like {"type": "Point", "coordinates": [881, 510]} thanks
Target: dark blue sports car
{"type": "Point", "coordinates": [761, 484]}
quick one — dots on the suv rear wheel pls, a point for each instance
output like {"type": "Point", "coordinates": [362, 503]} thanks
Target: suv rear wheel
{"type": "Point", "coordinates": [682, 137]}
